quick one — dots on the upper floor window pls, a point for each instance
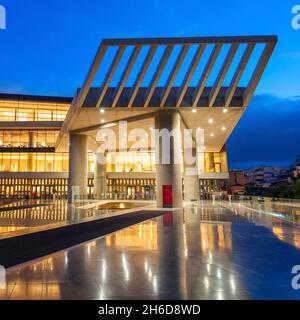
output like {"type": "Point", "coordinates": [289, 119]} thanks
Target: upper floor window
{"type": "Point", "coordinates": [28, 138]}
{"type": "Point", "coordinates": [32, 111]}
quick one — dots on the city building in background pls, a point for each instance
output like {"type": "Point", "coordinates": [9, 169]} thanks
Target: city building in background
{"type": "Point", "coordinates": [295, 168]}
{"type": "Point", "coordinates": [263, 180]}
{"type": "Point", "coordinates": [237, 182]}
{"type": "Point", "coordinates": [265, 176]}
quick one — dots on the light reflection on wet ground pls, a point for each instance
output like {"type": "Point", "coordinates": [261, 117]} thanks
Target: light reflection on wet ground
{"type": "Point", "coordinates": [50, 213]}
{"type": "Point", "coordinates": [205, 252]}
{"type": "Point", "coordinates": [288, 211]}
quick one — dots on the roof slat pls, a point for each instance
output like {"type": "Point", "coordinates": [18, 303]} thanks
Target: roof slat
{"type": "Point", "coordinates": [126, 74]}
{"type": "Point", "coordinates": [90, 76]}
{"type": "Point", "coordinates": [157, 74]}
{"type": "Point", "coordinates": [189, 75]}
{"type": "Point", "coordinates": [109, 75]}
{"type": "Point", "coordinates": [190, 40]}
{"type": "Point", "coordinates": [208, 68]}
{"type": "Point", "coordinates": [262, 63]}
{"type": "Point", "coordinates": [141, 75]}
{"type": "Point", "coordinates": [173, 74]}
{"type": "Point", "coordinates": [222, 74]}
{"type": "Point", "coordinates": [238, 74]}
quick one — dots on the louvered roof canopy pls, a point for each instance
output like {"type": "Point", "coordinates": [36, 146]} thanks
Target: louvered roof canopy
{"type": "Point", "coordinates": [177, 72]}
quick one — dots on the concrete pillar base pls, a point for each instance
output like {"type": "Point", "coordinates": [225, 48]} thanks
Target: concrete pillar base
{"type": "Point", "coordinates": [78, 166]}
{"type": "Point", "coordinates": [171, 173]}
{"type": "Point", "coordinates": [99, 176]}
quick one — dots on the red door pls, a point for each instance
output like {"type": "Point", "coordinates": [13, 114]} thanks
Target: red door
{"type": "Point", "coordinates": [167, 196]}
{"type": "Point", "coordinates": [168, 219]}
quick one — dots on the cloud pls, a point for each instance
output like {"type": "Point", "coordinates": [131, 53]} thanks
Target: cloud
{"type": "Point", "coordinates": [268, 133]}
{"type": "Point", "coordinates": [291, 54]}
{"type": "Point", "coordinates": [13, 88]}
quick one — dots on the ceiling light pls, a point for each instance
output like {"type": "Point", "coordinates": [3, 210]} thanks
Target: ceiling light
{"type": "Point", "coordinates": [110, 125]}
{"type": "Point", "coordinates": [212, 135]}
{"type": "Point", "coordinates": [194, 110]}
{"type": "Point", "coordinates": [225, 110]}
{"type": "Point", "coordinates": [223, 128]}
{"type": "Point", "coordinates": [210, 120]}
{"type": "Point", "coordinates": [102, 121]}
{"type": "Point", "coordinates": [102, 110]}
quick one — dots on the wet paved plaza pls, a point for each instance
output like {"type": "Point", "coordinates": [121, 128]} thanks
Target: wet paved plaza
{"type": "Point", "coordinates": [206, 251]}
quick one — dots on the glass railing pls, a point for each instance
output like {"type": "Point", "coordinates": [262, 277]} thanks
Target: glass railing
{"type": "Point", "coordinates": [114, 196]}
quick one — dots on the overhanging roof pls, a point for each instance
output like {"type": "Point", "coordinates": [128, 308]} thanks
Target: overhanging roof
{"type": "Point", "coordinates": [125, 101]}
{"type": "Point", "coordinates": [168, 45]}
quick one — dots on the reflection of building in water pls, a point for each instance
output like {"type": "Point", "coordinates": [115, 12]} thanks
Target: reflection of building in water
{"type": "Point", "coordinates": [162, 257]}
{"type": "Point", "coordinates": [286, 235]}
{"type": "Point", "coordinates": [143, 236]}
{"type": "Point", "coordinates": [39, 289]}
{"type": "Point", "coordinates": [11, 229]}
{"type": "Point", "coordinates": [269, 215]}
{"type": "Point", "coordinates": [15, 220]}
{"type": "Point", "coordinates": [216, 237]}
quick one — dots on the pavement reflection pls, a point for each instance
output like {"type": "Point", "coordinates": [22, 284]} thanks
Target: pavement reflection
{"type": "Point", "coordinates": [201, 252]}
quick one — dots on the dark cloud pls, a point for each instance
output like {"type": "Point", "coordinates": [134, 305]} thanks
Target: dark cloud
{"type": "Point", "coordinates": [268, 133]}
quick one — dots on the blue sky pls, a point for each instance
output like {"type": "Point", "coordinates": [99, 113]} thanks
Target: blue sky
{"type": "Point", "coordinates": [49, 45]}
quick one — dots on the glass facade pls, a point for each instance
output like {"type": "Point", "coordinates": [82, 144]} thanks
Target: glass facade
{"type": "Point", "coordinates": [34, 162]}
{"type": "Point", "coordinates": [38, 162]}
{"type": "Point", "coordinates": [28, 138]}
{"type": "Point", "coordinates": [209, 162]}
{"type": "Point", "coordinates": [33, 188]}
{"type": "Point", "coordinates": [12, 110]}
{"type": "Point", "coordinates": [130, 189]}
{"type": "Point", "coordinates": [131, 162]}
{"type": "Point", "coordinates": [211, 185]}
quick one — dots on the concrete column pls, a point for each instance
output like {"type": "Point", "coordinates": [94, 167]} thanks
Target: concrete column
{"type": "Point", "coordinates": [191, 181]}
{"type": "Point", "coordinates": [30, 155]}
{"type": "Point", "coordinates": [99, 175]}
{"type": "Point", "coordinates": [168, 174]}
{"type": "Point", "coordinates": [78, 164]}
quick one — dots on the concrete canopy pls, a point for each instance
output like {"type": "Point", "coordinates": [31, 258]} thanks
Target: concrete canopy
{"type": "Point", "coordinates": [215, 108]}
